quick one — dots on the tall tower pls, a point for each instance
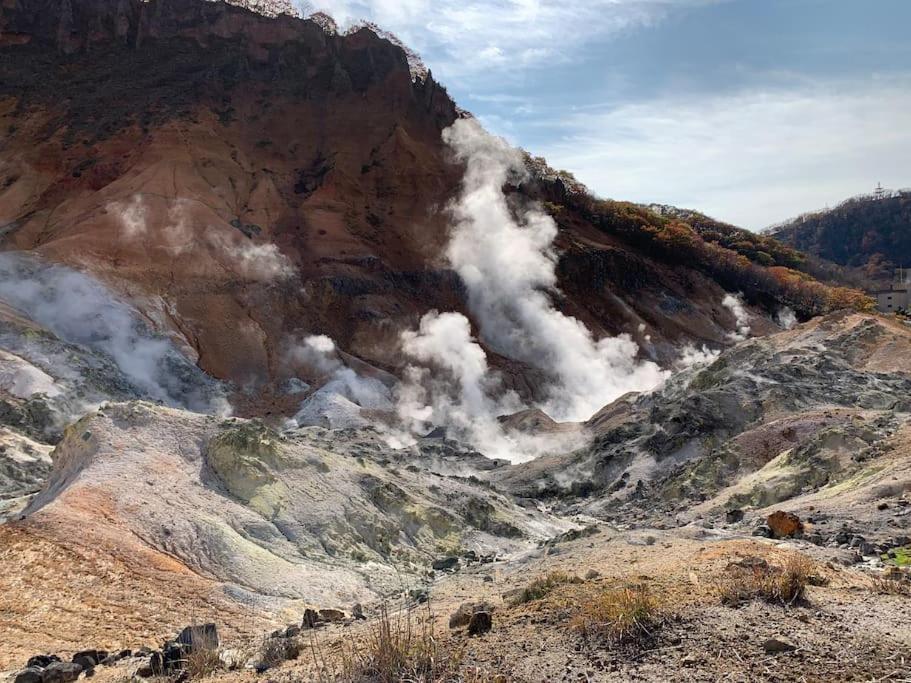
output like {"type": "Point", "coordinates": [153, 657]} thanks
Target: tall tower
{"type": "Point", "coordinates": [879, 192]}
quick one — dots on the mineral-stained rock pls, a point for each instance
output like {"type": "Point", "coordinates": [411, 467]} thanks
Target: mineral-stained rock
{"type": "Point", "coordinates": [784, 524]}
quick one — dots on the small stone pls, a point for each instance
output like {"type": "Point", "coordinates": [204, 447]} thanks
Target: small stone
{"type": "Point", "coordinates": [777, 645]}
{"type": "Point", "coordinates": [480, 623]}
{"type": "Point", "coordinates": [462, 616]}
{"type": "Point", "coordinates": [358, 611]}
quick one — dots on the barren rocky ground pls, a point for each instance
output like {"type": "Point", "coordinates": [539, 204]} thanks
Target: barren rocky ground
{"type": "Point", "coordinates": [218, 459]}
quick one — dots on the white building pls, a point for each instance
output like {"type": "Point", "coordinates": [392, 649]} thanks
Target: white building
{"type": "Point", "coordinates": [896, 297]}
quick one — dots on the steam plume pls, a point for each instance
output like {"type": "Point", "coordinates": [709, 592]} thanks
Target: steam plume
{"type": "Point", "coordinates": [80, 310]}
{"type": "Point", "coordinates": [508, 264]}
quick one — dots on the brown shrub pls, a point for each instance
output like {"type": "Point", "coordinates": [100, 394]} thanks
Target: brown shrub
{"type": "Point", "coordinates": [202, 662]}
{"type": "Point", "coordinates": [621, 615]}
{"type": "Point", "coordinates": [784, 585]}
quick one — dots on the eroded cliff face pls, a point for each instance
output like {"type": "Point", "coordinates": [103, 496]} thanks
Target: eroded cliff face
{"type": "Point", "coordinates": [247, 180]}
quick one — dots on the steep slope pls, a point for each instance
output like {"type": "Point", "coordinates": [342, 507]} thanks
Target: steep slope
{"type": "Point", "coordinates": [869, 235]}
{"type": "Point", "coordinates": [246, 180]}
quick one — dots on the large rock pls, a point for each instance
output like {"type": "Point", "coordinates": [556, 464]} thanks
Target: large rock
{"type": "Point", "coordinates": [203, 636]}
{"type": "Point", "coordinates": [784, 524]}
{"type": "Point", "coordinates": [30, 674]}
{"type": "Point", "coordinates": [61, 672]}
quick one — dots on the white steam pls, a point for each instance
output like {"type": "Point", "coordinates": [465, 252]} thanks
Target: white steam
{"type": "Point", "coordinates": [734, 303]}
{"type": "Point", "coordinates": [693, 357]}
{"type": "Point", "coordinates": [786, 318]}
{"type": "Point", "coordinates": [80, 310]}
{"type": "Point", "coordinates": [177, 236]}
{"type": "Point", "coordinates": [339, 402]}
{"type": "Point", "coordinates": [507, 261]}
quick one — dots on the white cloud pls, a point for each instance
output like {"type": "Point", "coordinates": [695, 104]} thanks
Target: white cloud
{"type": "Point", "coordinates": [750, 158]}
{"type": "Point", "coordinates": [470, 37]}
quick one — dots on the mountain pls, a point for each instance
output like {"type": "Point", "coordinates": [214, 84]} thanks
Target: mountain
{"type": "Point", "coordinates": [869, 236]}
{"type": "Point", "coordinates": [296, 355]}
{"type": "Point", "coordinates": [243, 179]}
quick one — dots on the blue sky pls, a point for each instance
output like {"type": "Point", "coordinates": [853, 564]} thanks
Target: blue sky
{"type": "Point", "coordinates": [752, 111]}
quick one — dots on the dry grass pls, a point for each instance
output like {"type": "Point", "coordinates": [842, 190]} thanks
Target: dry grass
{"type": "Point", "coordinates": [891, 586]}
{"type": "Point", "coordinates": [202, 662]}
{"type": "Point", "coordinates": [543, 585]}
{"type": "Point", "coordinates": [785, 585]}
{"type": "Point", "coordinates": [624, 615]}
{"type": "Point", "coordinates": [399, 646]}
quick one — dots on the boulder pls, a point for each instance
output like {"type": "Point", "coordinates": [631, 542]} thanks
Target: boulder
{"type": "Point", "coordinates": [311, 618]}
{"type": "Point", "coordinates": [480, 623]}
{"type": "Point", "coordinates": [88, 659]}
{"type": "Point", "coordinates": [61, 672]}
{"type": "Point", "coordinates": [203, 636]}
{"type": "Point", "coordinates": [784, 524]}
{"type": "Point", "coordinates": [446, 564]}
{"type": "Point", "coordinates": [30, 674]}
{"type": "Point", "coordinates": [41, 661]}
{"type": "Point", "coordinates": [358, 611]}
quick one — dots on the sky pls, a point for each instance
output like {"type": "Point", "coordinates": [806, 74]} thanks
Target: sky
{"type": "Point", "coordinates": [751, 111]}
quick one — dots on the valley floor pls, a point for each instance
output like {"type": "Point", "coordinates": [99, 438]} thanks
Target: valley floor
{"type": "Point", "coordinates": [846, 629]}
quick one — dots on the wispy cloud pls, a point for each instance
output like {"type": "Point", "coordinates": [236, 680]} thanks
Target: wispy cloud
{"type": "Point", "coordinates": [478, 35]}
{"type": "Point", "coordinates": [752, 158]}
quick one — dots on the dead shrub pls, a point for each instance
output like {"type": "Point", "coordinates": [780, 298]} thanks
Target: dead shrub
{"type": "Point", "coordinates": [543, 585]}
{"type": "Point", "coordinates": [785, 585]}
{"type": "Point", "coordinates": [892, 586]}
{"type": "Point", "coordinates": [618, 616]}
{"type": "Point", "coordinates": [400, 646]}
{"type": "Point", "coordinates": [202, 662]}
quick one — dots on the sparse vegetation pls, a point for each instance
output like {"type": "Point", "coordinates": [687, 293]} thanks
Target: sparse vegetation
{"type": "Point", "coordinates": [889, 585]}
{"type": "Point", "coordinates": [624, 615]}
{"type": "Point", "coordinates": [400, 646]}
{"type": "Point", "coordinates": [543, 585]}
{"type": "Point", "coordinates": [784, 585]}
{"type": "Point", "coordinates": [202, 662]}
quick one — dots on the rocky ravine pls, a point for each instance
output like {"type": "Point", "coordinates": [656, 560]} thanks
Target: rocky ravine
{"type": "Point", "coordinates": [154, 518]}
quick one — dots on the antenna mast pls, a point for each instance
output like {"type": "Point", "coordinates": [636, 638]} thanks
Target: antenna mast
{"type": "Point", "coordinates": [879, 192]}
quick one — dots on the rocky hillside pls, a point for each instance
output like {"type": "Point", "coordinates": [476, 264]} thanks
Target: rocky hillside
{"type": "Point", "coordinates": [869, 236]}
{"type": "Point", "coordinates": [243, 180]}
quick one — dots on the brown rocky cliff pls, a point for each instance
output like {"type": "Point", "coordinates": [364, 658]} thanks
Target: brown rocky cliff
{"type": "Point", "coordinates": [238, 137]}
